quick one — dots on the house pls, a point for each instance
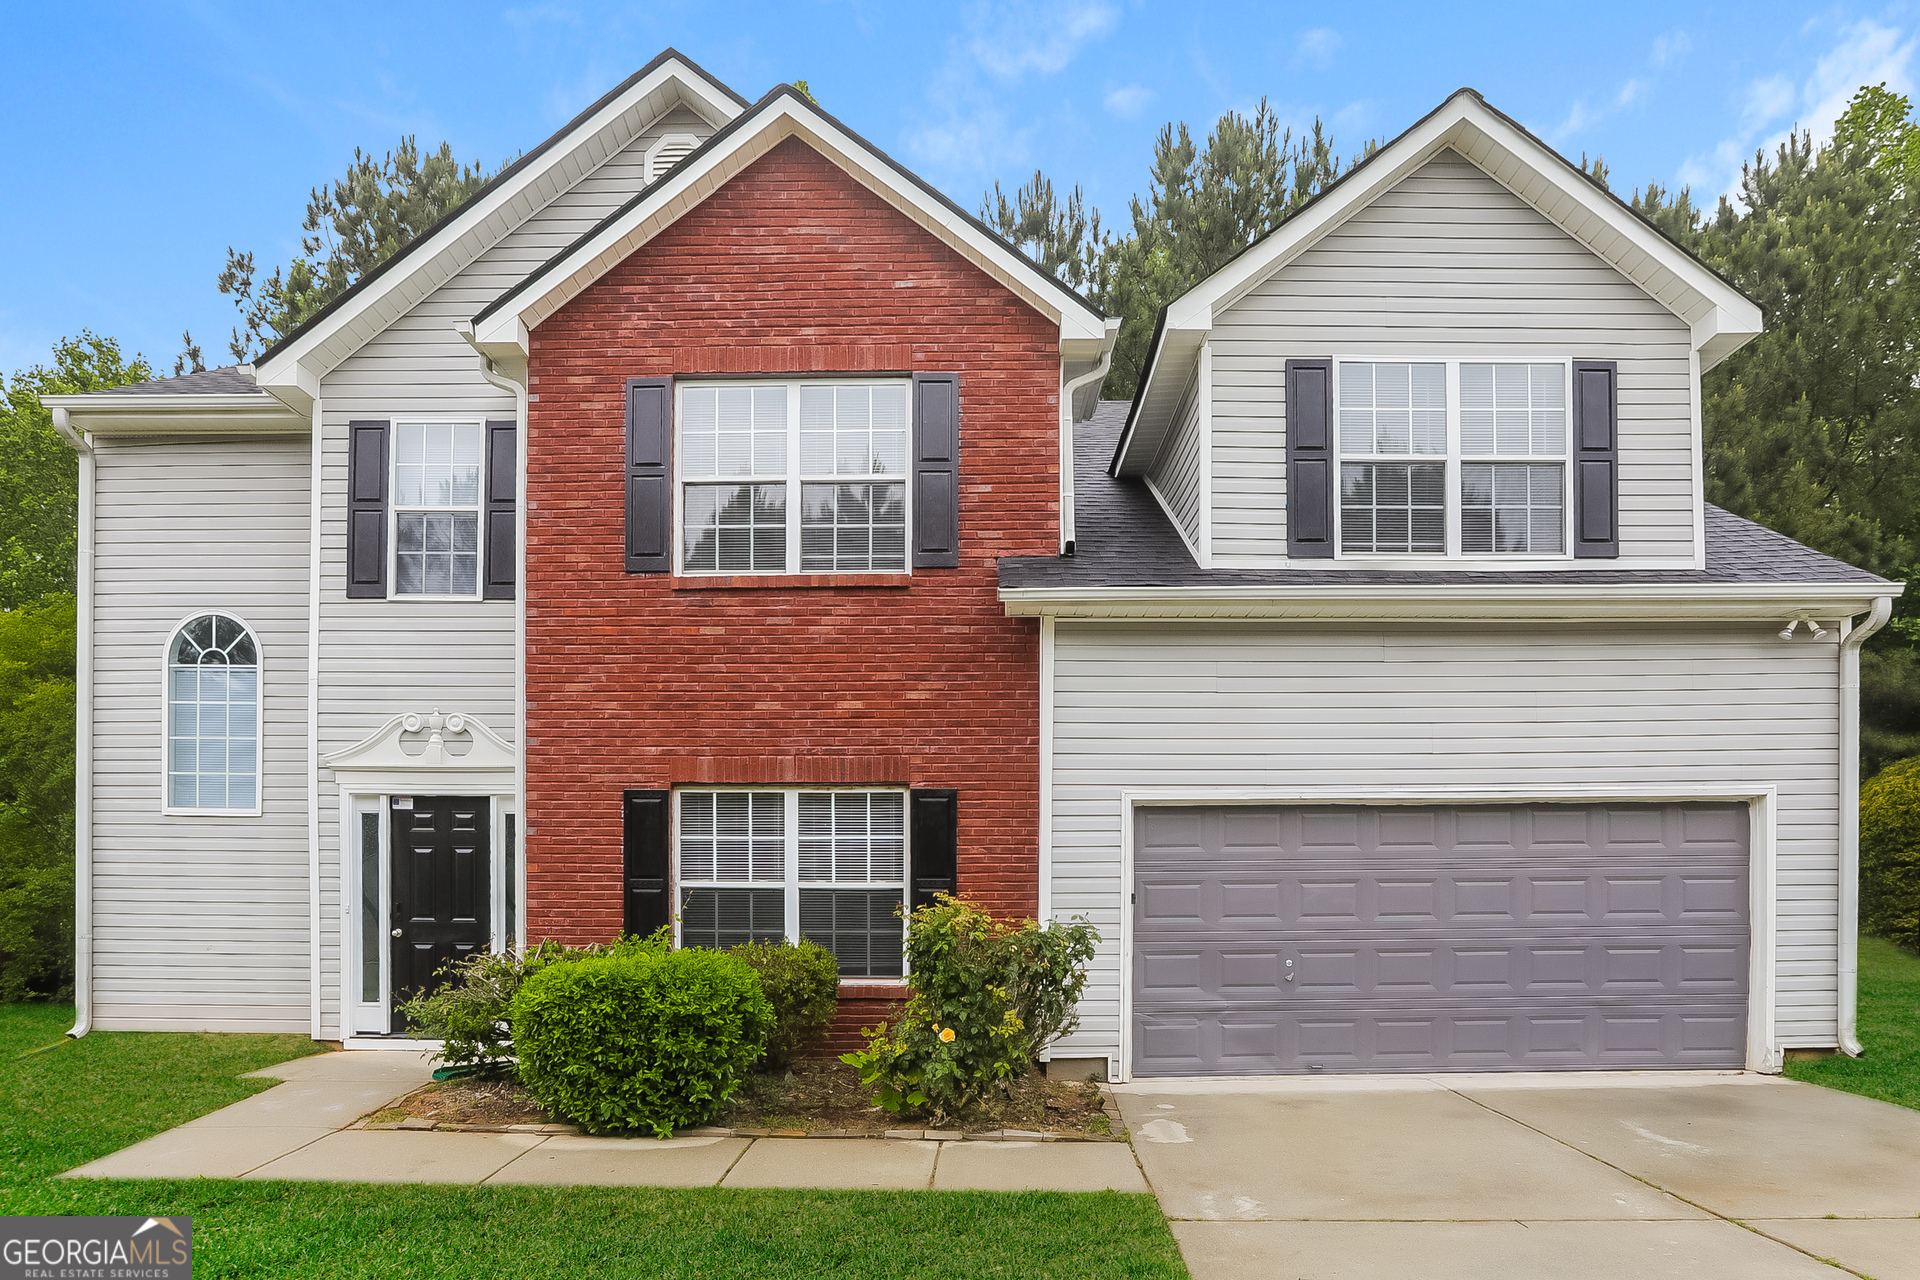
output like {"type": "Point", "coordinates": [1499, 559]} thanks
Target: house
{"type": "Point", "coordinates": [710, 525]}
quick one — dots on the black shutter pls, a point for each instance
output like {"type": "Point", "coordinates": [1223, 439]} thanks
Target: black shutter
{"type": "Point", "coordinates": [1310, 459]}
{"type": "Point", "coordinates": [649, 475]}
{"type": "Point", "coordinates": [367, 510]}
{"type": "Point", "coordinates": [936, 470]}
{"type": "Point", "coordinates": [1596, 459]}
{"type": "Point", "coordinates": [498, 536]}
{"type": "Point", "coordinates": [646, 858]}
{"type": "Point", "coordinates": [933, 852]}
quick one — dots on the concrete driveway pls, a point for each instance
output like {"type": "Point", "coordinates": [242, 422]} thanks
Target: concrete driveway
{"type": "Point", "coordinates": [1654, 1174]}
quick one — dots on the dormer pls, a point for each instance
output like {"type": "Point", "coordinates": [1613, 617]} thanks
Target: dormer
{"type": "Point", "coordinates": [1465, 354]}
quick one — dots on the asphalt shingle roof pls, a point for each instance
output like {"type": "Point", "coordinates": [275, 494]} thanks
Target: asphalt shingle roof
{"type": "Point", "coordinates": [228, 381]}
{"type": "Point", "coordinates": [1123, 539]}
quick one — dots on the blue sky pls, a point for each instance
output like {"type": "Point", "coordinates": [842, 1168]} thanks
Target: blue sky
{"type": "Point", "coordinates": [142, 140]}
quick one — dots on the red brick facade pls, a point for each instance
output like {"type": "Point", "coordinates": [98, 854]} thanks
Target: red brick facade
{"type": "Point", "coordinates": [655, 681]}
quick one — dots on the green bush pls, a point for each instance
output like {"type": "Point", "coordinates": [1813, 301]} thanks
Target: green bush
{"type": "Point", "coordinates": [36, 799]}
{"type": "Point", "coordinates": [467, 1013]}
{"type": "Point", "coordinates": [802, 984]}
{"type": "Point", "coordinates": [643, 1040]}
{"type": "Point", "coordinates": [988, 996]}
{"type": "Point", "coordinates": [1890, 854]}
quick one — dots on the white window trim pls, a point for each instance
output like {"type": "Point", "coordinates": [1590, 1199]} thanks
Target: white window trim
{"type": "Point", "coordinates": [166, 721]}
{"type": "Point", "coordinates": [394, 509]}
{"type": "Point", "coordinates": [1453, 457]}
{"type": "Point", "coordinates": [793, 478]}
{"type": "Point", "coordinates": [790, 882]}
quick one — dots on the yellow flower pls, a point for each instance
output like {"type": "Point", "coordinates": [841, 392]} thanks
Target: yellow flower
{"type": "Point", "coordinates": [946, 1037]}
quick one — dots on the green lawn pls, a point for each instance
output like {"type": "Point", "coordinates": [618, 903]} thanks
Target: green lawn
{"type": "Point", "coordinates": [71, 1103]}
{"type": "Point", "coordinates": [1889, 1031]}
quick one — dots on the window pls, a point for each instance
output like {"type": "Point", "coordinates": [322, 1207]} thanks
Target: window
{"type": "Point", "coordinates": [1487, 478]}
{"type": "Point", "coordinates": [213, 718]}
{"type": "Point", "coordinates": [826, 866]}
{"type": "Point", "coordinates": [436, 508]}
{"type": "Point", "coordinates": [793, 477]}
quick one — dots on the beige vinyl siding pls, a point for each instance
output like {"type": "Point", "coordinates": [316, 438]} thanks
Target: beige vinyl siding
{"type": "Point", "coordinates": [200, 923]}
{"type": "Point", "coordinates": [1449, 264]}
{"type": "Point", "coordinates": [1175, 474]}
{"type": "Point", "coordinates": [1695, 711]}
{"type": "Point", "coordinates": [379, 659]}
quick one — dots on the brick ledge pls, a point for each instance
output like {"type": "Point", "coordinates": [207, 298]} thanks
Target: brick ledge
{"type": "Point", "coordinates": [791, 581]}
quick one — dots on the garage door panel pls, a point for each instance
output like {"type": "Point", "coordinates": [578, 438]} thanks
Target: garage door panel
{"type": "Point", "coordinates": [1476, 937]}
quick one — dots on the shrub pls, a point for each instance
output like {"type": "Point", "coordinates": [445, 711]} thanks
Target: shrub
{"type": "Point", "coordinates": [1890, 854]}
{"type": "Point", "coordinates": [802, 983]}
{"type": "Point", "coordinates": [988, 996]}
{"type": "Point", "coordinates": [642, 1040]}
{"type": "Point", "coordinates": [467, 1013]}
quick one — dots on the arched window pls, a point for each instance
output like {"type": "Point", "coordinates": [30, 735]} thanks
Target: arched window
{"type": "Point", "coordinates": [213, 716]}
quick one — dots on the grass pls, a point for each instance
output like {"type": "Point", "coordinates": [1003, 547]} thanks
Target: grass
{"type": "Point", "coordinates": [1889, 1031]}
{"type": "Point", "coordinates": [83, 1099]}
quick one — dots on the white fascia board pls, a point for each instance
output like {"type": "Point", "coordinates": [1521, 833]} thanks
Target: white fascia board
{"type": "Point", "coordinates": [225, 414]}
{"type": "Point", "coordinates": [785, 117]}
{"type": "Point", "coordinates": [1172, 369]}
{"type": "Point", "coordinates": [1628, 602]}
{"type": "Point", "coordinates": [486, 221]}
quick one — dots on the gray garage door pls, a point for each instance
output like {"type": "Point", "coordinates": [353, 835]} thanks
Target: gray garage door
{"type": "Point", "coordinates": [1469, 938]}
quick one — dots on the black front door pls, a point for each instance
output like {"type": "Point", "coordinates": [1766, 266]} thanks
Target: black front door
{"type": "Point", "coordinates": [441, 892]}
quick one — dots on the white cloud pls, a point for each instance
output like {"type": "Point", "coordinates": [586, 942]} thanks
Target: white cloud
{"type": "Point", "coordinates": [1126, 100]}
{"type": "Point", "coordinates": [969, 129]}
{"type": "Point", "coordinates": [1630, 92]}
{"type": "Point", "coordinates": [1317, 47]}
{"type": "Point", "coordinates": [1579, 116]}
{"type": "Point", "coordinates": [1010, 40]}
{"type": "Point", "coordinates": [1864, 53]}
{"type": "Point", "coordinates": [1670, 48]}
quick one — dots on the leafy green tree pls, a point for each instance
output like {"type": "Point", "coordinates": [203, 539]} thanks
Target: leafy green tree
{"type": "Point", "coordinates": [353, 224]}
{"type": "Point", "coordinates": [39, 473]}
{"type": "Point", "coordinates": [36, 800]}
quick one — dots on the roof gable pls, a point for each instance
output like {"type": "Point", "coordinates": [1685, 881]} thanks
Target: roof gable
{"type": "Point", "coordinates": [502, 328]}
{"type": "Point", "coordinates": [1721, 318]}
{"type": "Point", "coordinates": [293, 367]}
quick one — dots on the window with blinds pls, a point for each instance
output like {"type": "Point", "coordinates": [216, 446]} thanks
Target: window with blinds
{"type": "Point", "coordinates": [436, 508]}
{"type": "Point", "coordinates": [793, 477]}
{"type": "Point", "coordinates": [766, 865]}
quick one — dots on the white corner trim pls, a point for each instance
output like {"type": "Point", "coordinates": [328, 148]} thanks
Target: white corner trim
{"type": "Point", "coordinates": [1046, 769]}
{"type": "Point", "coordinates": [1698, 449]}
{"type": "Point", "coordinates": [1764, 1052]}
{"type": "Point", "coordinates": [83, 745]}
{"type": "Point", "coordinates": [314, 508]}
{"type": "Point", "coordinates": [1203, 423]}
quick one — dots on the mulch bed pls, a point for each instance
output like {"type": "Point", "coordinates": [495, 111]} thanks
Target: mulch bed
{"type": "Point", "coordinates": [814, 1095]}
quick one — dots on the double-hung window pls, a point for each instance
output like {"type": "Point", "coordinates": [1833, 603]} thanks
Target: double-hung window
{"type": "Point", "coordinates": [793, 477]}
{"type": "Point", "coordinates": [436, 508]}
{"type": "Point", "coordinates": [766, 865]}
{"type": "Point", "coordinates": [1452, 458]}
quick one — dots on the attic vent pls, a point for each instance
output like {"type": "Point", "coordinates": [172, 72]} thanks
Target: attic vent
{"type": "Point", "coordinates": [668, 152]}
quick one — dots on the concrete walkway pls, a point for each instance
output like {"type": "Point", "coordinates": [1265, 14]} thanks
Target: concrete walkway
{"type": "Point", "coordinates": [1701, 1176]}
{"type": "Point", "coordinates": [298, 1130]}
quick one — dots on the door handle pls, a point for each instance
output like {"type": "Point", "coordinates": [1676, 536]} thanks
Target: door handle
{"type": "Point", "coordinates": [398, 933]}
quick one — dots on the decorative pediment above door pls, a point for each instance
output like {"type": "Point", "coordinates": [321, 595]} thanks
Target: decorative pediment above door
{"type": "Point", "coordinates": [428, 753]}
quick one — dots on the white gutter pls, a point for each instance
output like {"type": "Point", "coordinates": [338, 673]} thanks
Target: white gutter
{"type": "Point", "coordinates": [314, 507]}
{"type": "Point", "coordinates": [83, 739]}
{"type": "Point", "coordinates": [1849, 976]}
{"type": "Point", "coordinates": [1651, 601]}
{"type": "Point", "coordinates": [1067, 392]}
{"type": "Point", "coordinates": [490, 371]}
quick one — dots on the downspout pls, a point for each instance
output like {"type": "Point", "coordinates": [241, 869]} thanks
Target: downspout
{"type": "Point", "coordinates": [491, 373]}
{"type": "Point", "coordinates": [1849, 977]}
{"type": "Point", "coordinates": [83, 740]}
{"type": "Point", "coordinates": [1067, 392]}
